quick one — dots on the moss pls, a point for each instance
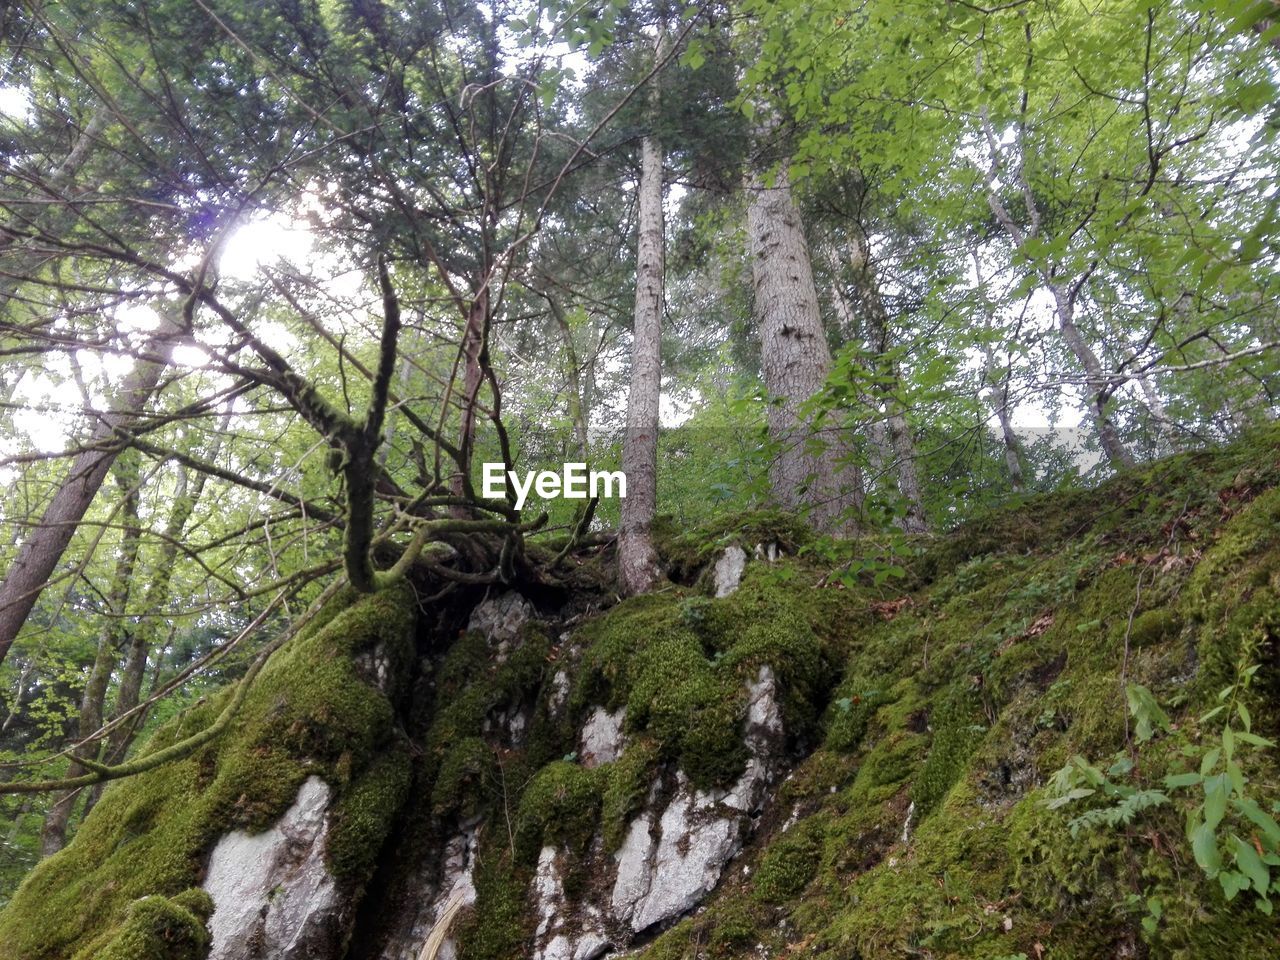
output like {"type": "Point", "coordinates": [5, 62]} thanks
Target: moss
{"type": "Point", "coordinates": [626, 785]}
{"type": "Point", "coordinates": [497, 927]}
{"type": "Point", "coordinates": [958, 728]}
{"type": "Point", "coordinates": [789, 863]}
{"type": "Point", "coordinates": [364, 815]}
{"type": "Point", "coordinates": [560, 806]}
{"type": "Point", "coordinates": [156, 928]}
{"type": "Point", "coordinates": [466, 778]}
{"type": "Point", "coordinates": [309, 712]}
{"type": "Point", "coordinates": [1153, 626]}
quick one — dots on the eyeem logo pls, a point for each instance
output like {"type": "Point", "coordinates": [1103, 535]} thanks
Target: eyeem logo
{"type": "Point", "coordinates": [573, 483]}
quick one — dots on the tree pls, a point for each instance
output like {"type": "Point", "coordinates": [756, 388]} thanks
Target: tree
{"type": "Point", "coordinates": [638, 568]}
{"type": "Point", "coordinates": [812, 468]}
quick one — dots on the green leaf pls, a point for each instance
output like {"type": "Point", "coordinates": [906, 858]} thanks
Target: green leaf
{"type": "Point", "coordinates": [1209, 761]}
{"type": "Point", "coordinates": [1204, 845]}
{"type": "Point", "coordinates": [1215, 800]}
{"type": "Point", "coordinates": [1251, 865]}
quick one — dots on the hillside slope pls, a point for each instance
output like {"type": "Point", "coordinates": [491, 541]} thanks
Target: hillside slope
{"type": "Point", "coordinates": [971, 761]}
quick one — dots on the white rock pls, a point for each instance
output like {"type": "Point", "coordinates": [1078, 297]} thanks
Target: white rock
{"type": "Point", "coordinates": [729, 569]}
{"type": "Point", "coordinates": [272, 893]}
{"type": "Point", "coordinates": [559, 695]}
{"type": "Point", "coordinates": [602, 740]}
{"type": "Point", "coordinates": [455, 870]}
{"type": "Point", "coordinates": [635, 868]}
{"type": "Point", "coordinates": [562, 934]}
{"type": "Point", "coordinates": [700, 831]}
{"type": "Point", "coordinates": [501, 619]}
{"type": "Point", "coordinates": [768, 551]}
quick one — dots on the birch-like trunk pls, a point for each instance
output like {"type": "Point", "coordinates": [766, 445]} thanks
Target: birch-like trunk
{"type": "Point", "coordinates": [813, 469]}
{"type": "Point", "coordinates": [45, 543]}
{"type": "Point", "coordinates": [111, 639]}
{"type": "Point", "coordinates": [638, 568]}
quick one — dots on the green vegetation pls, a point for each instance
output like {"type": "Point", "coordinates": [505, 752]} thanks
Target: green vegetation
{"type": "Point", "coordinates": [310, 712]}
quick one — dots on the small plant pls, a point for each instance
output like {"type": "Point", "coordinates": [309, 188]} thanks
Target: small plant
{"type": "Point", "coordinates": [1232, 837]}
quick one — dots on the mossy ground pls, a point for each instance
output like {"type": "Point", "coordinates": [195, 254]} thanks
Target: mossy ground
{"type": "Point", "coordinates": [925, 716]}
{"type": "Point", "coordinates": [922, 826]}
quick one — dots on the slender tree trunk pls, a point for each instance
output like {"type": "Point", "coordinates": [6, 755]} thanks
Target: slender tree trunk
{"type": "Point", "coordinates": [638, 568]}
{"type": "Point", "coordinates": [1009, 438]}
{"type": "Point", "coordinates": [110, 641]}
{"type": "Point", "coordinates": [897, 429]}
{"type": "Point", "coordinates": [812, 470]}
{"type": "Point", "coordinates": [187, 492]}
{"type": "Point", "coordinates": [1096, 381]}
{"type": "Point", "coordinates": [44, 545]}
{"type": "Point", "coordinates": [573, 374]}
{"type": "Point", "coordinates": [1000, 398]}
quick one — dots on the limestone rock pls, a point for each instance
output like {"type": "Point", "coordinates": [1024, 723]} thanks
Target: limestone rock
{"type": "Point", "coordinates": [501, 619]}
{"type": "Point", "coordinates": [665, 873]}
{"type": "Point", "coordinates": [272, 893]}
{"type": "Point", "coordinates": [728, 570]}
{"type": "Point", "coordinates": [602, 740]}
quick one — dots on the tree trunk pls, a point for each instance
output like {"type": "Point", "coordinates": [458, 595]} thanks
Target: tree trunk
{"type": "Point", "coordinates": [897, 429]}
{"type": "Point", "coordinates": [1096, 381]}
{"type": "Point", "coordinates": [43, 548]}
{"type": "Point", "coordinates": [1009, 439]}
{"type": "Point", "coordinates": [114, 633]}
{"type": "Point", "coordinates": [812, 470]}
{"type": "Point", "coordinates": [638, 568]}
{"type": "Point", "coordinates": [187, 491]}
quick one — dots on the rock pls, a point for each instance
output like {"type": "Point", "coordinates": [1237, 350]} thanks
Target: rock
{"type": "Point", "coordinates": [501, 619]}
{"type": "Point", "coordinates": [454, 890]}
{"type": "Point", "coordinates": [728, 570]}
{"type": "Point", "coordinates": [768, 551]}
{"type": "Point", "coordinates": [602, 740]}
{"type": "Point", "coordinates": [272, 893]}
{"type": "Point", "coordinates": [700, 831]}
{"type": "Point", "coordinates": [559, 695]}
{"type": "Point", "coordinates": [563, 934]}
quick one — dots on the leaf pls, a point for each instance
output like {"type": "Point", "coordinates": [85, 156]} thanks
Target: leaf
{"type": "Point", "coordinates": [1078, 793]}
{"type": "Point", "coordinates": [1215, 800]}
{"type": "Point", "coordinates": [1261, 819]}
{"type": "Point", "coordinates": [1251, 865]}
{"type": "Point", "coordinates": [1209, 761]}
{"type": "Point", "coordinates": [1176, 781]}
{"type": "Point", "coordinates": [1204, 845]}
{"type": "Point", "coordinates": [1244, 716]}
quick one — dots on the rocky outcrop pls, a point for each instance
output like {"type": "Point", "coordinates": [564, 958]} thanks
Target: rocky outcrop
{"type": "Point", "coordinates": [669, 862]}
{"type": "Point", "coordinates": [273, 895]}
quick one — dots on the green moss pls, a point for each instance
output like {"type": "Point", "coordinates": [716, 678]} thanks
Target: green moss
{"type": "Point", "coordinates": [958, 727]}
{"type": "Point", "coordinates": [789, 863]}
{"type": "Point", "coordinates": [467, 777]}
{"type": "Point", "coordinates": [156, 928]}
{"type": "Point", "coordinates": [560, 806]}
{"type": "Point", "coordinates": [498, 926]}
{"type": "Point", "coordinates": [365, 814]}
{"type": "Point", "coordinates": [626, 785]}
{"type": "Point", "coordinates": [310, 711]}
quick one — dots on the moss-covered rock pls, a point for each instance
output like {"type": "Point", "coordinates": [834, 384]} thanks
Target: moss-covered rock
{"type": "Point", "coordinates": [310, 711]}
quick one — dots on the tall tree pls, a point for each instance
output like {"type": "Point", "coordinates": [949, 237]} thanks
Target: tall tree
{"type": "Point", "coordinates": [638, 568]}
{"type": "Point", "coordinates": [813, 468]}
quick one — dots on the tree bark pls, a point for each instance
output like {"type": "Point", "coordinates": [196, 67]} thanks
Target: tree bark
{"type": "Point", "coordinates": [812, 471]}
{"type": "Point", "coordinates": [638, 568]}
{"type": "Point", "coordinates": [45, 543]}
{"type": "Point", "coordinates": [111, 640]}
